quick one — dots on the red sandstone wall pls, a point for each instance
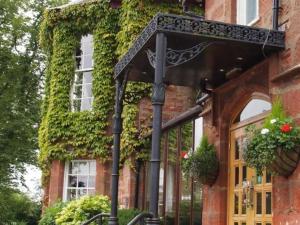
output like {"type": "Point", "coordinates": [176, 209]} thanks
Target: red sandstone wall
{"type": "Point", "coordinates": [286, 197]}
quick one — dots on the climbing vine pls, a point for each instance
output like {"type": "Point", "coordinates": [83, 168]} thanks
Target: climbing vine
{"type": "Point", "coordinates": [64, 134]}
{"type": "Point", "coordinates": [67, 135]}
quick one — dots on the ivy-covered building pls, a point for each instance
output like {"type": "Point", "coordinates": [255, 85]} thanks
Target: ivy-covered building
{"type": "Point", "coordinates": [223, 62]}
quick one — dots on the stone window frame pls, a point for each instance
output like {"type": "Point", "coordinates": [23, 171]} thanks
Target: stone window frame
{"type": "Point", "coordinates": [90, 190]}
{"type": "Point", "coordinates": [241, 9]}
{"type": "Point", "coordinates": [83, 79]}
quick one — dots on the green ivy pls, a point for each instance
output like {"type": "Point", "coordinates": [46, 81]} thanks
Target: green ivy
{"type": "Point", "coordinates": [68, 135]}
{"type": "Point", "coordinates": [64, 134]}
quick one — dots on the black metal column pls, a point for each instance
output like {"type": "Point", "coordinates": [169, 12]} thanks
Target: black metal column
{"type": "Point", "coordinates": [117, 130]}
{"type": "Point", "coordinates": [158, 99]}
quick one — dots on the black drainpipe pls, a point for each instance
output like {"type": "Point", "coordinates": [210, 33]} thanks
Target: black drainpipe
{"type": "Point", "coordinates": [275, 14]}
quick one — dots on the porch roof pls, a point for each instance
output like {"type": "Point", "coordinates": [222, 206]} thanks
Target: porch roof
{"type": "Point", "coordinates": [198, 50]}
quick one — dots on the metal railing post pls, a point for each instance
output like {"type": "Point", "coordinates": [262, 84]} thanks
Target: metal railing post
{"type": "Point", "coordinates": [158, 99]}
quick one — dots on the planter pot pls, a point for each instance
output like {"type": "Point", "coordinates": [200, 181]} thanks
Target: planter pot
{"type": "Point", "coordinates": [210, 178]}
{"type": "Point", "coordinates": [285, 162]}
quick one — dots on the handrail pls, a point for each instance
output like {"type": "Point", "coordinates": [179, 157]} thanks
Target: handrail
{"type": "Point", "coordinates": [140, 216]}
{"type": "Point", "coordinates": [98, 216]}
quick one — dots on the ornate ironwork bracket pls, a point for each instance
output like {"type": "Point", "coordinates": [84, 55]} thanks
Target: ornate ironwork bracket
{"type": "Point", "coordinates": [178, 57]}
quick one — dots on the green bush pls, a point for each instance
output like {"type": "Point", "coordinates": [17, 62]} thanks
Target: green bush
{"type": "Point", "coordinates": [126, 215]}
{"type": "Point", "coordinates": [79, 211]}
{"type": "Point", "coordinates": [202, 164]}
{"type": "Point", "coordinates": [50, 214]}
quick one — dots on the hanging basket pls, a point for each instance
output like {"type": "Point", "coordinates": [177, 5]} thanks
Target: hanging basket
{"type": "Point", "coordinates": [285, 162]}
{"type": "Point", "coordinates": [209, 178]}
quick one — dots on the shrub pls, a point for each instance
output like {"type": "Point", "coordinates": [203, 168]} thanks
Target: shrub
{"type": "Point", "coordinates": [79, 211]}
{"type": "Point", "coordinates": [202, 164]}
{"type": "Point", "coordinates": [50, 214]}
{"type": "Point", "coordinates": [126, 215]}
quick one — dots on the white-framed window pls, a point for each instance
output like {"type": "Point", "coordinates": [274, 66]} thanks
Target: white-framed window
{"type": "Point", "coordinates": [82, 96]}
{"type": "Point", "coordinates": [79, 179]}
{"type": "Point", "coordinates": [247, 12]}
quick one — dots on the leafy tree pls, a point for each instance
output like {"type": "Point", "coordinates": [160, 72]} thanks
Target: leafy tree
{"type": "Point", "coordinates": [16, 207]}
{"type": "Point", "coordinates": [21, 73]}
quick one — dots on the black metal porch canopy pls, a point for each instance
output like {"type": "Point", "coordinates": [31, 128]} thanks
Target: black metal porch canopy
{"type": "Point", "coordinates": [204, 50]}
{"type": "Point", "coordinates": [184, 51]}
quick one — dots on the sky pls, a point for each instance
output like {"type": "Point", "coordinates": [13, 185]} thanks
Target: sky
{"type": "Point", "coordinates": [33, 182]}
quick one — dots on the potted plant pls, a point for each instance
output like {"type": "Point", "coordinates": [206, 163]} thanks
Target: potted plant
{"type": "Point", "coordinates": [275, 146]}
{"type": "Point", "coordinates": [202, 164]}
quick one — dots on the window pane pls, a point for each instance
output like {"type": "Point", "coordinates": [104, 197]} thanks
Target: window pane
{"type": "Point", "coordinates": [71, 194]}
{"type": "Point", "coordinates": [258, 179]}
{"type": "Point", "coordinates": [237, 152]}
{"type": "Point", "coordinates": [171, 178]}
{"type": "Point", "coordinates": [185, 182]}
{"type": "Point", "coordinates": [82, 181]}
{"type": "Point", "coordinates": [198, 131]}
{"type": "Point", "coordinates": [258, 203]}
{"type": "Point", "coordinates": [244, 173]}
{"type": "Point", "coordinates": [77, 105]}
{"type": "Point", "coordinates": [91, 183]}
{"type": "Point", "coordinates": [253, 108]}
{"type": "Point", "coordinates": [83, 168]}
{"type": "Point", "coordinates": [77, 94]}
{"type": "Point", "coordinates": [197, 204]}
{"type": "Point", "coordinates": [72, 181]}
{"type": "Point", "coordinates": [87, 61]}
{"type": "Point", "coordinates": [236, 203]}
{"type": "Point", "coordinates": [73, 168]}
{"type": "Point", "coordinates": [236, 177]}
{"type": "Point", "coordinates": [87, 51]}
{"type": "Point", "coordinates": [268, 177]}
{"type": "Point", "coordinates": [251, 13]}
{"type": "Point", "coordinates": [81, 192]}
{"type": "Point", "coordinates": [268, 202]}
{"type": "Point", "coordinates": [244, 203]}
{"type": "Point", "coordinates": [87, 77]}
{"type": "Point", "coordinates": [87, 91]}
{"type": "Point", "coordinates": [86, 104]}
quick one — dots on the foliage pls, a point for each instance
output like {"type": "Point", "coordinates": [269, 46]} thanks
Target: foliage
{"type": "Point", "coordinates": [279, 131]}
{"type": "Point", "coordinates": [80, 210]}
{"type": "Point", "coordinates": [16, 207]}
{"type": "Point", "coordinates": [50, 213]}
{"type": "Point", "coordinates": [64, 134]}
{"type": "Point", "coordinates": [21, 75]}
{"type": "Point", "coordinates": [126, 215]}
{"type": "Point", "coordinates": [203, 163]}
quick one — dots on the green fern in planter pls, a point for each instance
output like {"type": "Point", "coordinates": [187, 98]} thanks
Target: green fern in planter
{"type": "Point", "coordinates": [202, 164]}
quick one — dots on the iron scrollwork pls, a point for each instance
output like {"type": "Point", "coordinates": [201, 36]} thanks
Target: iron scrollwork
{"type": "Point", "coordinates": [178, 57]}
{"type": "Point", "coordinates": [176, 24]}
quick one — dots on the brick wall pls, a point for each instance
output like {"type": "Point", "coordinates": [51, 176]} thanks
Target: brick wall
{"type": "Point", "coordinates": [231, 97]}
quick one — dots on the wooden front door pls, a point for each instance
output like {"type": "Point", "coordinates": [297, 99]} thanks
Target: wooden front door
{"type": "Point", "coordinates": [249, 195]}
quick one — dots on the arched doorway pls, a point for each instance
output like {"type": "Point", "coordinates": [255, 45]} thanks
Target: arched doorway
{"type": "Point", "coordinates": [249, 195]}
